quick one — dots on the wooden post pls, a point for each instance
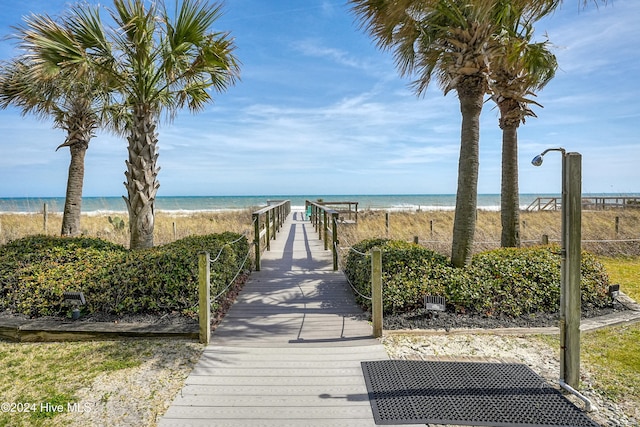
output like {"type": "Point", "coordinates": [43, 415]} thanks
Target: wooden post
{"type": "Point", "coordinates": [267, 225]}
{"type": "Point", "coordinates": [334, 243]}
{"type": "Point", "coordinates": [431, 228]}
{"type": "Point", "coordinates": [204, 297]}
{"type": "Point", "coordinates": [44, 218]}
{"type": "Point", "coordinates": [545, 239]}
{"type": "Point", "coordinates": [376, 291]}
{"type": "Point", "coordinates": [256, 239]}
{"type": "Point", "coordinates": [571, 292]}
{"type": "Point", "coordinates": [325, 229]}
{"type": "Point", "coordinates": [275, 217]}
{"type": "Point", "coordinates": [617, 225]}
{"type": "Point", "coordinates": [416, 240]}
{"type": "Point", "coordinates": [175, 231]}
{"type": "Point", "coordinates": [386, 222]}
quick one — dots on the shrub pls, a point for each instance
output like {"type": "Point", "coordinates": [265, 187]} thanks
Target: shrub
{"type": "Point", "coordinates": [35, 271]}
{"type": "Point", "coordinates": [408, 271]}
{"type": "Point", "coordinates": [506, 281]}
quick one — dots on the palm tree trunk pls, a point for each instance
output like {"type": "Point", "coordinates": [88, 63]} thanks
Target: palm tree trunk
{"type": "Point", "coordinates": [470, 93]}
{"type": "Point", "coordinates": [142, 184]}
{"type": "Point", "coordinates": [73, 200]}
{"type": "Point", "coordinates": [509, 194]}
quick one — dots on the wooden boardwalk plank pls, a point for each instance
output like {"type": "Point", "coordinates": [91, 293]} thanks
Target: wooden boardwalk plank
{"type": "Point", "coordinates": [220, 391]}
{"type": "Point", "coordinates": [258, 413]}
{"type": "Point", "coordinates": [288, 352]}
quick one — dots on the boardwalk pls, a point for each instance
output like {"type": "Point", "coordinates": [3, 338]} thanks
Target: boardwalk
{"type": "Point", "coordinates": [289, 351]}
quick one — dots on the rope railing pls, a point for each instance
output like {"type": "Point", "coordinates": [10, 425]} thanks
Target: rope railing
{"type": "Point", "coordinates": [204, 286]}
{"type": "Point", "coordinates": [355, 290]}
{"type": "Point", "coordinates": [544, 240]}
{"type": "Point", "coordinates": [376, 286]}
{"type": "Point", "coordinates": [233, 280]}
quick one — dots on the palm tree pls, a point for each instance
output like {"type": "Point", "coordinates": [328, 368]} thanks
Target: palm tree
{"type": "Point", "coordinates": [455, 41]}
{"type": "Point", "coordinates": [451, 40]}
{"type": "Point", "coordinates": [157, 63]}
{"type": "Point", "coordinates": [523, 69]}
{"type": "Point", "coordinates": [72, 103]}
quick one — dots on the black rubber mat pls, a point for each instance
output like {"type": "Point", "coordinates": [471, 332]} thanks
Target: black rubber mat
{"type": "Point", "coordinates": [466, 393]}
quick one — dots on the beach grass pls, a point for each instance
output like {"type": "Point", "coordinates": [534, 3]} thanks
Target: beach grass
{"type": "Point", "coordinates": [612, 233]}
{"type": "Point", "coordinates": [604, 232]}
{"type": "Point", "coordinates": [168, 226]}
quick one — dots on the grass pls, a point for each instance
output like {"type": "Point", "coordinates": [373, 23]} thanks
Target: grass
{"type": "Point", "coordinates": [626, 272]}
{"type": "Point", "coordinates": [38, 374]}
{"type": "Point", "coordinates": [614, 353]}
{"type": "Point", "coordinates": [168, 227]}
{"type": "Point", "coordinates": [433, 228]}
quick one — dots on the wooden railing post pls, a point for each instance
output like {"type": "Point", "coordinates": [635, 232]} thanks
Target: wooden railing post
{"type": "Point", "coordinates": [256, 238]}
{"type": "Point", "coordinates": [334, 240]}
{"type": "Point", "coordinates": [276, 222]}
{"type": "Point", "coordinates": [376, 291]}
{"type": "Point", "coordinates": [325, 229]}
{"type": "Point", "coordinates": [267, 224]}
{"type": "Point", "coordinates": [204, 297]}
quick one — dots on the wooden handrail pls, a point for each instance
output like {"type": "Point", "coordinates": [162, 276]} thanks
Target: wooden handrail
{"type": "Point", "coordinates": [321, 216]}
{"type": "Point", "coordinates": [588, 203]}
{"type": "Point", "coordinates": [267, 222]}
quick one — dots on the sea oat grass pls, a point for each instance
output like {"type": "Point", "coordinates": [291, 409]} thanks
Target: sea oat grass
{"type": "Point", "coordinates": [611, 232]}
{"type": "Point", "coordinates": [602, 233]}
{"type": "Point", "coordinates": [168, 226]}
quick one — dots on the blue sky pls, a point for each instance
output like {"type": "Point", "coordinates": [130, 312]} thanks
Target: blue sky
{"type": "Point", "coordinates": [320, 109]}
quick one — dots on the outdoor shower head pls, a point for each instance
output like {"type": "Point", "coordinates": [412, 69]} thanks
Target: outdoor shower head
{"type": "Point", "coordinates": [537, 160]}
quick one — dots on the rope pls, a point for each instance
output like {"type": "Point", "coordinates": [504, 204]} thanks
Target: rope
{"type": "Point", "coordinates": [536, 241]}
{"type": "Point", "coordinates": [354, 289]}
{"type": "Point", "coordinates": [357, 251]}
{"type": "Point", "coordinates": [368, 298]}
{"type": "Point", "coordinates": [236, 276]}
{"type": "Point", "coordinates": [611, 241]}
{"type": "Point", "coordinates": [244, 235]}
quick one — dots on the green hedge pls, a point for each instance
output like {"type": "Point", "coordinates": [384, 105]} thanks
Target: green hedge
{"type": "Point", "coordinates": [508, 281]}
{"type": "Point", "coordinates": [35, 271]}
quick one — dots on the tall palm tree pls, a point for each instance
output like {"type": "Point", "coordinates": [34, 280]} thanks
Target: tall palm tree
{"type": "Point", "coordinates": [523, 69]}
{"type": "Point", "coordinates": [451, 40]}
{"type": "Point", "coordinates": [72, 103]}
{"type": "Point", "coordinates": [158, 63]}
{"type": "Point", "coordinates": [455, 41]}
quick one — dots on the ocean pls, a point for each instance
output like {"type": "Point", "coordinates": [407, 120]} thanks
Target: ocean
{"type": "Point", "coordinates": [185, 204]}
